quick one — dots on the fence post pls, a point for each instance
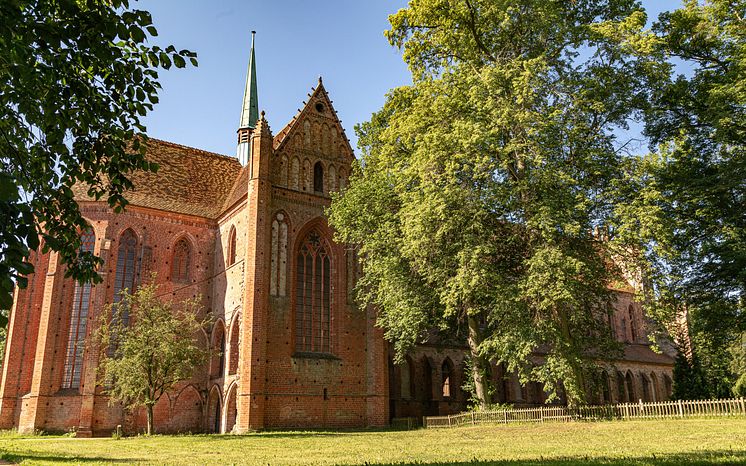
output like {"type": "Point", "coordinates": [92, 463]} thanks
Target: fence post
{"type": "Point", "coordinates": [449, 420]}
{"type": "Point", "coordinates": [473, 422]}
{"type": "Point", "coordinates": [541, 413]}
{"type": "Point", "coordinates": [642, 409]}
{"type": "Point", "coordinates": [505, 415]}
{"type": "Point", "coordinates": [681, 408]}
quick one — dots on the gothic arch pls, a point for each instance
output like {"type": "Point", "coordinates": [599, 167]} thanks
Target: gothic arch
{"type": "Point", "coordinates": [77, 328]}
{"type": "Point", "coordinates": [447, 373]}
{"type": "Point", "coordinates": [125, 277]}
{"type": "Point", "coordinates": [314, 259]}
{"type": "Point", "coordinates": [230, 257]}
{"type": "Point", "coordinates": [186, 412]}
{"type": "Point", "coordinates": [233, 348]}
{"type": "Point", "coordinates": [621, 388]}
{"type": "Point", "coordinates": [294, 176]}
{"type": "Point", "coordinates": [318, 177]}
{"type": "Point", "coordinates": [307, 175]}
{"type": "Point", "coordinates": [605, 391]}
{"type": "Point", "coordinates": [633, 333]}
{"type": "Point", "coordinates": [342, 178]}
{"type": "Point", "coordinates": [278, 254]}
{"type": "Point", "coordinates": [629, 383]}
{"type": "Point", "coordinates": [655, 387]}
{"type": "Point", "coordinates": [182, 258]}
{"type": "Point", "coordinates": [332, 177]}
{"type": "Point", "coordinates": [645, 385]}
{"type": "Point", "coordinates": [217, 348]}
{"type": "Point", "coordinates": [214, 410]}
{"type": "Point", "coordinates": [231, 409]}
{"type": "Point", "coordinates": [283, 174]}
{"type": "Point", "coordinates": [406, 379]}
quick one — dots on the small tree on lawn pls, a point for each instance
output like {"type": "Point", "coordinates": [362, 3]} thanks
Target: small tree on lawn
{"type": "Point", "coordinates": [148, 345]}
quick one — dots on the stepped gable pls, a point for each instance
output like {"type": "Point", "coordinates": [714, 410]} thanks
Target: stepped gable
{"type": "Point", "coordinates": [317, 96]}
{"type": "Point", "coordinates": [188, 181]}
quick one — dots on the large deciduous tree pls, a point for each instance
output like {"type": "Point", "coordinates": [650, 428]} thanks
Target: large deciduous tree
{"type": "Point", "coordinates": [689, 197]}
{"type": "Point", "coordinates": [481, 184]}
{"type": "Point", "coordinates": [148, 345]}
{"type": "Point", "coordinates": [76, 77]}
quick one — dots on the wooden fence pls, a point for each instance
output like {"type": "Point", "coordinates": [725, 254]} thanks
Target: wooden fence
{"type": "Point", "coordinates": [653, 410]}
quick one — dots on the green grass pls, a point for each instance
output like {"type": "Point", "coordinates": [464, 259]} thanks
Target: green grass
{"type": "Point", "coordinates": [701, 441]}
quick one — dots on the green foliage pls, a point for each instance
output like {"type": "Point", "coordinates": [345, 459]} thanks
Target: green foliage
{"type": "Point", "coordinates": [3, 334]}
{"type": "Point", "coordinates": [689, 380]}
{"type": "Point", "coordinates": [147, 346]}
{"type": "Point", "coordinates": [76, 78]}
{"type": "Point", "coordinates": [687, 202]}
{"type": "Point", "coordinates": [481, 183]}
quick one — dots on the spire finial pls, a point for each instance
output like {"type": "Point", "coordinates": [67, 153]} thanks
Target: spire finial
{"type": "Point", "coordinates": [250, 109]}
{"type": "Point", "coordinates": [320, 79]}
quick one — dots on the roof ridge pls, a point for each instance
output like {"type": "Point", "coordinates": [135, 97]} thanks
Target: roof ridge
{"type": "Point", "coordinates": [202, 151]}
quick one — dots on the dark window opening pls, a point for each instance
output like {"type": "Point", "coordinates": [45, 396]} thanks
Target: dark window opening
{"type": "Point", "coordinates": [318, 178]}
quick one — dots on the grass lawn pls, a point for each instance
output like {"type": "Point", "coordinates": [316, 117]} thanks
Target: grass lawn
{"type": "Point", "coordinates": [701, 441]}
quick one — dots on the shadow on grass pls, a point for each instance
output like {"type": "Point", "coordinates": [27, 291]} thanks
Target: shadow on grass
{"type": "Point", "coordinates": [17, 457]}
{"type": "Point", "coordinates": [694, 458]}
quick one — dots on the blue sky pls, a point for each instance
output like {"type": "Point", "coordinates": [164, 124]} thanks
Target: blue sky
{"type": "Point", "coordinates": [296, 42]}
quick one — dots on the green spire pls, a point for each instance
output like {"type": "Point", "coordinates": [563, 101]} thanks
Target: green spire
{"type": "Point", "coordinates": [250, 111]}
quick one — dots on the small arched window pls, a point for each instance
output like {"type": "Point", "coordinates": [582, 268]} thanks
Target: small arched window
{"type": "Point", "coordinates": [447, 373]}
{"type": "Point", "coordinates": [318, 177]}
{"type": "Point", "coordinates": [632, 324]}
{"type": "Point", "coordinates": [181, 261]}
{"type": "Point", "coordinates": [232, 246]}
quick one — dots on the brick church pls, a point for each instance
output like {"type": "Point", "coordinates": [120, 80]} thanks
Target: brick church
{"type": "Point", "coordinates": [290, 349]}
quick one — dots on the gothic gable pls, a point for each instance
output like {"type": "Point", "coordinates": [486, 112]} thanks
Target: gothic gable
{"type": "Point", "coordinates": [314, 140]}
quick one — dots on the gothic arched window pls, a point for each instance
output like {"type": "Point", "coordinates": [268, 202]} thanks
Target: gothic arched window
{"type": "Point", "coordinates": [632, 324]}
{"type": "Point", "coordinates": [313, 296]}
{"type": "Point", "coordinates": [126, 262]}
{"type": "Point", "coordinates": [232, 246]}
{"type": "Point", "coordinates": [181, 261]}
{"type": "Point", "coordinates": [78, 321]}
{"type": "Point", "coordinates": [318, 177]}
{"type": "Point", "coordinates": [447, 374]}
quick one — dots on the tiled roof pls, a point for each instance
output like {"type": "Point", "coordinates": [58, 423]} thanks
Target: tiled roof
{"type": "Point", "coordinates": [239, 189]}
{"type": "Point", "coordinates": [643, 353]}
{"type": "Point", "coordinates": [189, 181]}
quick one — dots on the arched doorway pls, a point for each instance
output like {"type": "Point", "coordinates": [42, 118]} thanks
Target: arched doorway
{"type": "Point", "coordinates": [231, 409]}
{"type": "Point", "coordinates": [214, 411]}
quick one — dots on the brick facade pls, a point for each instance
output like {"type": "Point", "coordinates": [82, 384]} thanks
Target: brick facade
{"type": "Point", "coordinates": [245, 227]}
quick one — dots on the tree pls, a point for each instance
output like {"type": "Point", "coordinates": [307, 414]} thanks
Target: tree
{"type": "Point", "coordinates": [688, 196]}
{"type": "Point", "coordinates": [481, 183]}
{"type": "Point", "coordinates": [147, 347]}
{"type": "Point", "coordinates": [76, 77]}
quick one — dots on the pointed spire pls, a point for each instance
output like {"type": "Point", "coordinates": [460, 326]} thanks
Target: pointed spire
{"type": "Point", "coordinates": [250, 111]}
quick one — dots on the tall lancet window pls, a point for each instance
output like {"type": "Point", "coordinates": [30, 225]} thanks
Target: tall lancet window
{"type": "Point", "coordinates": [318, 177]}
{"type": "Point", "coordinates": [126, 263]}
{"type": "Point", "coordinates": [78, 322]}
{"type": "Point", "coordinates": [313, 295]}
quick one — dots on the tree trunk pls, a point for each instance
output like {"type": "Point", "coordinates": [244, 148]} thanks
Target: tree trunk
{"type": "Point", "coordinates": [578, 398]}
{"type": "Point", "coordinates": [479, 366]}
{"type": "Point", "coordinates": [149, 409]}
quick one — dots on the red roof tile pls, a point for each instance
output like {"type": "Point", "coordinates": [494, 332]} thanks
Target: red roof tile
{"type": "Point", "coordinates": [189, 181]}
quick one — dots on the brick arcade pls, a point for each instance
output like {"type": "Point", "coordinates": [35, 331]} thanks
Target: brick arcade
{"type": "Point", "coordinates": [290, 347]}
